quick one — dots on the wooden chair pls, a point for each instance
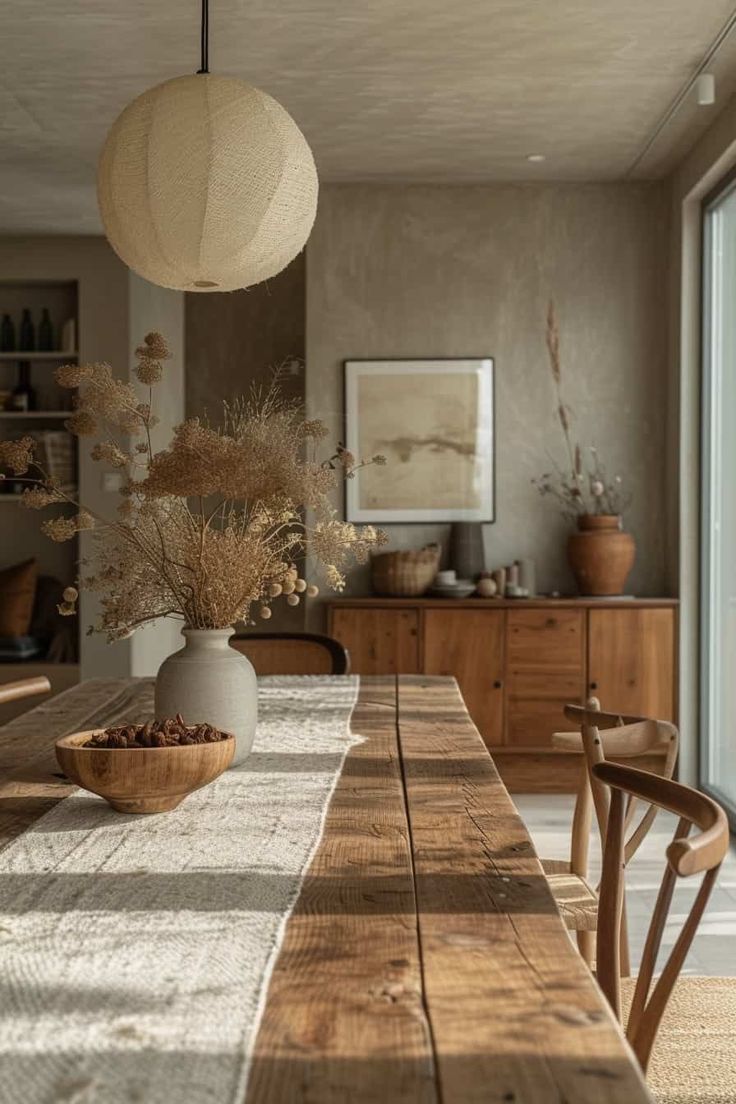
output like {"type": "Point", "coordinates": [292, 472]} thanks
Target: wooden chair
{"type": "Point", "coordinates": [293, 653]}
{"type": "Point", "coordinates": [24, 688]}
{"type": "Point", "coordinates": [692, 1019]}
{"type": "Point", "coordinates": [602, 736]}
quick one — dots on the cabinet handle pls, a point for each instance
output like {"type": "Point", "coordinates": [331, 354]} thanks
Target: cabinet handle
{"type": "Point", "coordinates": [497, 684]}
{"type": "Point", "coordinates": [592, 685]}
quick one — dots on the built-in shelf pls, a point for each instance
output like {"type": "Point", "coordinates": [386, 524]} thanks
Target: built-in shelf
{"type": "Point", "coordinates": [5, 497]}
{"type": "Point", "coordinates": [59, 454]}
{"type": "Point", "coordinates": [32, 355]}
{"type": "Point", "coordinates": [23, 415]}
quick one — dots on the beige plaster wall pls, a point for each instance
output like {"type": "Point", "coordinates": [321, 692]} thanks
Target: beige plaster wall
{"type": "Point", "coordinates": [419, 271]}
{"type": "Point", "coordinates": [234, 341]}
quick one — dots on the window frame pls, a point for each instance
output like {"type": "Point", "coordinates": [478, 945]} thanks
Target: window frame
{"type": "Point", "coordinates": [709, 203]}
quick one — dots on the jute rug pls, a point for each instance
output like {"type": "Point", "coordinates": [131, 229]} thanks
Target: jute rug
{"type": "Point", "coordinates": [694, 1055]}
{"type": "Point", "coordinates": [135, 952]}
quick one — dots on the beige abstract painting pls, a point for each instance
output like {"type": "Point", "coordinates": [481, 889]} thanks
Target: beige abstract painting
{"type": "Point", "coordinates": [434, 427]}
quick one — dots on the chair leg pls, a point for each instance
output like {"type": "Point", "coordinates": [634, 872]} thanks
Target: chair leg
{"type": "Point", "coordinates": [586, 946]}
{"type": "Point", "coordinates": [624, 958]}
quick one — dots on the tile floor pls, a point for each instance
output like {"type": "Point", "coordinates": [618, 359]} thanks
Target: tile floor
{"type": "Point", "coordinates": [548, 817]}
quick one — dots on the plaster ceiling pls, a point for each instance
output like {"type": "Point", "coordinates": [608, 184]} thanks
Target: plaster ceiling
{"type": "Point", "coordinates": [389, 90]}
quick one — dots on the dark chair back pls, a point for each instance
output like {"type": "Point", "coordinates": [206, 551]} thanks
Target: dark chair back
{"type": "Point", "coordinates": [293, 653]}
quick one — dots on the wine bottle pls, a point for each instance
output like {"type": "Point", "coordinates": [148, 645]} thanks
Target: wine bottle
{"type": "Point", "coordinates": [7, 335]}
{"type": "Point", "coordinates": [27, 341]}
{"type": "Point", "coordinates": [45, 333]}
{"type": "Point", "coordinates": [24, 396]}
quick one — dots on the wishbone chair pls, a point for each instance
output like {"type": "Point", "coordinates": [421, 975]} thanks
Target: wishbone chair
{"type": "Point", "coordinates": [602, 735]}
{"type": "Point", "coordinates": [671, 1019]}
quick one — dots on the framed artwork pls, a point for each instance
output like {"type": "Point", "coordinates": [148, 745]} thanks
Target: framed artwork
{"type": "Point", "coordinates": [433, 420]}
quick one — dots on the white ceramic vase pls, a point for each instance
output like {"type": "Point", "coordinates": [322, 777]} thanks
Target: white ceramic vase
{"type": "Point", "coordinates": [208, 681]}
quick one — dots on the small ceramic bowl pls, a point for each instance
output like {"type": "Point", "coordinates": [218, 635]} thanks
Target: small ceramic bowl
{"type": "Point", "coordinates": [142, 780]}
{"type": "Point", "coordinates": [463, 588]}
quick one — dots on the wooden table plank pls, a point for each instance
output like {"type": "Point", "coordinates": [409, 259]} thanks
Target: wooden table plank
{"type": "Point", "coordinates": [344, 1018]}
{"type": "Point", "coordinates": [515, 1015]}
{"type": "Point", "coordinates": [29, 773]}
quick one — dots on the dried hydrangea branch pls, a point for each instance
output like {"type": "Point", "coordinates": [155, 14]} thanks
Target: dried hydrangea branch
{"type": "Point", "coordinates": [606, 495]}
{"type": "Point", "coordinates": [586, 489]}
{"type": "Point", "coordinates": [214, 523]}
{"type": "Point", "coordinates": [164, 563]}
{"type": "Point", "coordinates": [345, 459]}
{"type": "Point", "coordinates": [563, 411]}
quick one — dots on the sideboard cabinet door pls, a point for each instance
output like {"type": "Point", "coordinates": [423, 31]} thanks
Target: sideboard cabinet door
{"type": "Point", "coordinates": [380, 641]}
{"type": "Point", "coordinates": [631, 660]}
{"type": "Point", "coordinates": [470, 644]}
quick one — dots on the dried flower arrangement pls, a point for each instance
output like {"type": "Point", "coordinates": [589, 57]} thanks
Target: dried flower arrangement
{"type": "Point", "coordinates": [209, 527]}
{"type": "Point", "coordinates": [582, 486]}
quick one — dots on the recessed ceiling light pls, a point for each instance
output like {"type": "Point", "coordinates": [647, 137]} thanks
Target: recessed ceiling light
{"type": "Point", "coordinates": [536, 157]}
{"type": "Point", "coordinates": [705, 87]}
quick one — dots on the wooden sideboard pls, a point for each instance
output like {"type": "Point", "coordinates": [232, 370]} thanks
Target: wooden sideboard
{"type": "Point", "coordinates": [518, 662]}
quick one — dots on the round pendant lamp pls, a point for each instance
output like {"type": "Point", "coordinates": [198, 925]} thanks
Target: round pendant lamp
{"type": "Point", "coordinates": [206, 183]}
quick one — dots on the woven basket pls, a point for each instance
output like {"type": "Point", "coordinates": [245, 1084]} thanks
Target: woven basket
{"type": "Point", "coordinates": [405, 574]}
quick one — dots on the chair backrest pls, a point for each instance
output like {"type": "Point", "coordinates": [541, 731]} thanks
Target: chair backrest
{"type": "Point", "coordinates": [591, 713]}
{"type": "Point", "coordinates": [24, 688]}
{"type": "Point", "coordinates": [686, 855]}
{"type": "Point", "coordinates": [293, 653]}
{"type": "Point", "coordinates": [629, 741]}
{"type": "Point", "coordinates": [611, 736]}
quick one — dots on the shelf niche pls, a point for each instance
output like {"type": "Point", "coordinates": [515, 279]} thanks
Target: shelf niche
{"type": "Point", "coordinates": [22, 538]}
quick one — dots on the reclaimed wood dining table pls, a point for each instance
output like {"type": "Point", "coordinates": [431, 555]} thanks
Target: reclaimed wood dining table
{"type": "Point", "coordinates": [425, 961]}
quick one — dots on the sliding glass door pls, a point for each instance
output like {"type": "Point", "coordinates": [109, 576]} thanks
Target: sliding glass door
{"type": "Point", "coordinates": [718, 538]}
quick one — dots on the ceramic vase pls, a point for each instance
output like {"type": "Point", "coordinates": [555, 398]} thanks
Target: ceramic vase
{"type": "Point", "coordinates": [601, 555]}
{"type": "Point", "coordinates": [208, 681]}
{"type": "Point", "coordinates": [466, 549]}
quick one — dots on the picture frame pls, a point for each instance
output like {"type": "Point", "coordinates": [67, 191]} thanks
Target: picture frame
{"type": "Point", "coordinates": [435, 414]}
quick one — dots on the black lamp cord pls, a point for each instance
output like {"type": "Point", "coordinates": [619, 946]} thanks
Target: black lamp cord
{"type": "Point", "coordinates": [204, 42]}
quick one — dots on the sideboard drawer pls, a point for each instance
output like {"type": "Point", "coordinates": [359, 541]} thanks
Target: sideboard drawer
{"type": "Point", "coordinates": [545, 671]}
{"type": "Point", "coordinates": [540, 639]}
{"type": "Point", "coordinates": [543, 684]}
{"type": "Point", "coordinates": [536, 703]}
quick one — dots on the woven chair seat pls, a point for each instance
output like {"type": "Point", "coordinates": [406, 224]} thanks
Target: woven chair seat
{"type": "Point", "coordinates": [694, 1056]}
{"type": "Point", "coordinates": [576, 899]}
{"type": "Point", "coordinates": [555, 866]}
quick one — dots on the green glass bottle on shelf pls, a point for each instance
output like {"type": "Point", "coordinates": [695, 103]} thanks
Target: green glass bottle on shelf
{"type": "Point", "coordinates": [45, 333]}
{"type": "Point", "coordinates": [27, 341]}
{"type": "Point", "coordinates": [23, 397]}
{"type": "Point", "coordinates": [7, 335]}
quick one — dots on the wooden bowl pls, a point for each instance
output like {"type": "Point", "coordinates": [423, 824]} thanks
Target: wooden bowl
{"type": "Point", "coordinates": [142, 780]}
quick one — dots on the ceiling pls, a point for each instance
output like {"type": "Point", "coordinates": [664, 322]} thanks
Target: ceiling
{"type": "Point", "coordinates": [385, 90]}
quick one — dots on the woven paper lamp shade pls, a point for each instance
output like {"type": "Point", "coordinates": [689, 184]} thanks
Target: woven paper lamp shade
{"type": "Point", "coordinates": [206, 184]}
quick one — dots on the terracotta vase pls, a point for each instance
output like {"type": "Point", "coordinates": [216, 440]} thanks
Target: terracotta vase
{"type": "Point", "coordinates": [601, 555]}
